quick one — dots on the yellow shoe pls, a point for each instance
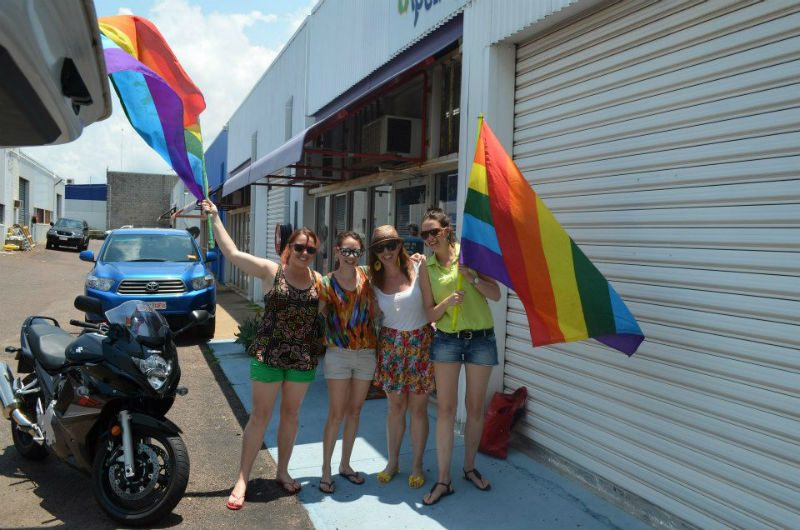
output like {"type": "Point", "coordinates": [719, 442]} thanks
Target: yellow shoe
{"type": "Point", "coordinates": [384, 477]}
{"type": "Point", "coordinates": [416, 481]}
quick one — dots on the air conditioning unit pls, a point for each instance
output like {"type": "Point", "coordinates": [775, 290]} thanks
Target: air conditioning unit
{"type": "Point", "coordinates": [395, 135]}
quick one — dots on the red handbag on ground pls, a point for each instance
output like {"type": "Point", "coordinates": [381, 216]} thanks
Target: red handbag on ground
{"type": "Point", "coordinates": [503, 412]}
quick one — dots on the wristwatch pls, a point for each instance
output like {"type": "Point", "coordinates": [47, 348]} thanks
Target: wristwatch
{"type": "Point", "coordinates": [476, 280]}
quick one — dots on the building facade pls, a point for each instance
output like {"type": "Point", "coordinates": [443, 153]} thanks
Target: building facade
{"type": "Point", "coordinates": [30, 194]}
{"type": "Point", "coordinates": [88, 203]}
{"type": "Point", "coordinates": [138, 199]}
{"type": "Point", "coordinates": [662, 135]}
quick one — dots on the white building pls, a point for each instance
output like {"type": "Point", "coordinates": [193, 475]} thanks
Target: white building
{"type": "Point", "coordinates": [28, 192]}
{"type": "Point", "coordinates": [662, 135]}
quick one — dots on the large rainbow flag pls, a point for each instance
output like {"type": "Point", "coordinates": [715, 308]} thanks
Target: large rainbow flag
{"type": "Point", "coordinates": [160, 100]}
{"type": "Point", "coordinates": [509, 234]}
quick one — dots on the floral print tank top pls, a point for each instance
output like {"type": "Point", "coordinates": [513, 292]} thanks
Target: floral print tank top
{"type": "Point", "coordinates": [287, 337]}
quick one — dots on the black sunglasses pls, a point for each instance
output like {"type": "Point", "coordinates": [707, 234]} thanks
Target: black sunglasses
{"type": "Point", "coordinates": [308, 248]}
{"type": "Point", "coordinates": [425, 234]}
{"type": "Point", "coordinates": [391, 246]}
{"type": "Point", "coordinates": [351, 252]}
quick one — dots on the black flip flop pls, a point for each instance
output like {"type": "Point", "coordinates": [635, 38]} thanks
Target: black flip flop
{"type": "Point", "coordinates": [330, 485]}
{"type": "Point", "coordinates": [448, 491]}
{"type": "Point", "coordinates": [478, 476]}
{"type": "Point", "coordinates": [353, 477]}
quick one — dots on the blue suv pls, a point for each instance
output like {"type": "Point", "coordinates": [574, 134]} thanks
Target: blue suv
{"type": "Point", "coordinates": [163, 267]}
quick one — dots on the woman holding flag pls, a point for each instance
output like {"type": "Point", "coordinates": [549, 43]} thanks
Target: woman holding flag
{"type": "Point", "coordinates": [464, 335]}
{"type": "Point", "coordinates": [285, 349]}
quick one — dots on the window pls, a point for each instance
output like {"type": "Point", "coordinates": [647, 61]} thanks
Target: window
{"type": "Point", "coordinates": [381, 207]}
{"type": "Point", "coordinates": [410, 207]}
{"type": "Point", "coordinates": [446, 194]}
{"type": "Point", "coordinates": [323, 216]}
{"type": "Point", "coordinates": [2, 215]}
{"type": "Point", "coordinates": [359, 217]}
{"type": "Point", "coordinates": [451, 99]}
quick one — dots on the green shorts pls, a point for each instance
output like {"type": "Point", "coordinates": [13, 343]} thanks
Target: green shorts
{"type": "Point", "coordinates": [269, 374]}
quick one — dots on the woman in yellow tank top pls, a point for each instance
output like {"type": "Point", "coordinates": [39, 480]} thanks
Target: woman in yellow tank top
{"type": "Point", "coordinates": [466, 338]}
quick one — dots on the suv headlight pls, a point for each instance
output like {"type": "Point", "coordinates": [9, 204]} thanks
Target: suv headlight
{"type": "Point", "coordinates": [101, 284]}
{"type": "Point", "coordinates": [155, 368]}
{"type": "Point", "coordinates": [202, 282]}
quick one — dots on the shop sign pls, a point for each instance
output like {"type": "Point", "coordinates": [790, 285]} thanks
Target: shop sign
{"type": "Point", "coordinates": [416, 6]}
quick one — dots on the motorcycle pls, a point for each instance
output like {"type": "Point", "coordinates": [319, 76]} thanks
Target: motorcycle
{"type": "Point", "coordinates": [98, 402]}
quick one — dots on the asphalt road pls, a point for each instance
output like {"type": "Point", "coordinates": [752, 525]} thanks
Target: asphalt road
{"type": "Point", "coordinates": [50, 494]}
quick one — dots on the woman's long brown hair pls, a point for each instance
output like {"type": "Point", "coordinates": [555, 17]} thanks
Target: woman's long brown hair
{"type": "Point", "coordinates": [378, 277]}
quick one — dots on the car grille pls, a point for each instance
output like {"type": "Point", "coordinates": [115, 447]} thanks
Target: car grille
{"type": "Point", "coordinates": [63, 233]}
{"type": "Point", "coordinates": [151, 287]}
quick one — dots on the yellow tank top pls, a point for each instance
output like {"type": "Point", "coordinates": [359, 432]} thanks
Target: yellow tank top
{"type": "Point", "coordinates": [474, 313]}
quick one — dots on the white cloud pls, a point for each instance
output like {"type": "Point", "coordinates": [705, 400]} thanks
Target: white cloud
{"type": "Point", "coordinates": [216, 53]}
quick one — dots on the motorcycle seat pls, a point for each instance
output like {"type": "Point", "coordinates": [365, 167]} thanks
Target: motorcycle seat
{"type": "Point", "coordinates": [48, 344]}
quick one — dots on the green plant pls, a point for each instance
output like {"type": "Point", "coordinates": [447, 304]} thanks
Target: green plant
{"type": "Point", "coordinates": [248, 329]}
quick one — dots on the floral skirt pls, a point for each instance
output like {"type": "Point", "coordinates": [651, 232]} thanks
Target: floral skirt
{"type": "Point", "coordinates": [404, 361]}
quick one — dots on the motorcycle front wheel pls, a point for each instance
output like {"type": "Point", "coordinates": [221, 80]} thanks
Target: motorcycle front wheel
{"type": "Point", "coordinates": [161, 473]}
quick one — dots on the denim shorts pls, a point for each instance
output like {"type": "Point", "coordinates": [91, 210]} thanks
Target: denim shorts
{"type": "Point", "coordinates": [466, 347]}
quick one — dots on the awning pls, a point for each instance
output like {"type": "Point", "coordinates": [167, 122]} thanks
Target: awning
{"type": "Point", "coordinates": [291, 152]}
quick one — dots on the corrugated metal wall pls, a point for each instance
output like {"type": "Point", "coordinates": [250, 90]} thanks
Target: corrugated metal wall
{"type": "Point", "coordinates": [376, 31]}
{"type": "Point", "coordinates": [276, 213]}
{"type": "Point", "coordinates": [665, 137]}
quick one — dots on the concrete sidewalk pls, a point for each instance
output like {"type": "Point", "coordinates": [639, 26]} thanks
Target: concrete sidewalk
{"type": "Point", "coordinates": [525, 494]}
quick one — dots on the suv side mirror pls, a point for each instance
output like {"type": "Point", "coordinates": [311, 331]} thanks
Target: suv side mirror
{"type": "Point", "coordinates": [212, 255]}
{"type": "Point", "coordinates": [86, 255]}
{"type": "Point", "coordinates": [51, 223]}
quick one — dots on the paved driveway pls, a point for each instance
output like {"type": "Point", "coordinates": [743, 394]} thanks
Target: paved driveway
{"type": "Point", "coordinates": [50, 494]}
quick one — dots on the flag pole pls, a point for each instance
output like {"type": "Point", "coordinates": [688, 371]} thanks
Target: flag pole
{"type": "Point", "coordinates": [460, 279]}
{"type": "Point", "coordinates": [209, 224]}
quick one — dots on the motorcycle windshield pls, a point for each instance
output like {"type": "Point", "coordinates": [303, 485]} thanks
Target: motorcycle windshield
{"type": "Point", "coordinates": [145, 324]}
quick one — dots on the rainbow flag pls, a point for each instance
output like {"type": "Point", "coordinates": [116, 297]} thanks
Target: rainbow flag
{"type": "Point", "coordinates": [509, 234]}
{"type": "Point", "coordinates": [160, 100]}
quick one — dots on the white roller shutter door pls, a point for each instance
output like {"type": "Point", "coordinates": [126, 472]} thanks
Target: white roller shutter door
{"type": "Point", "coordinates": [665, 137]}
{"type": "Point", "coordinates": [276, 213]}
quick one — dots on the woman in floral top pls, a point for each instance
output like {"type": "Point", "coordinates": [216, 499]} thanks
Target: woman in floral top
{"type": "Point", "coordinates": [285, 347]}
{"type": "Point", "coordinates": [350, 357]}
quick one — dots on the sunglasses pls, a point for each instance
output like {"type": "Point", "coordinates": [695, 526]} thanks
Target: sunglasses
{"type": "Point", "coordinates": [351, 252]}
{"type": "Point", "coordinates": [308, 248]}
{"type": "Point", "coordinates": [425, 234]}
{"type": "Point", "coordinates": [391, 246]}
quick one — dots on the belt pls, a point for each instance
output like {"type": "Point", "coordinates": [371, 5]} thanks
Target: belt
{"type": "Point", "coordinates": [470, 333]}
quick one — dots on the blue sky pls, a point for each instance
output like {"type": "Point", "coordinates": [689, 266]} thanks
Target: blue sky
{"type": "Point", "coordinates": [224, 45]}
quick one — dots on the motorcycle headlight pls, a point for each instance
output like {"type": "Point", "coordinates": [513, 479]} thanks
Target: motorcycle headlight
{"type": "Point", "coordinates": [155, 368]}
{"type": "Point", "coordinates": [201, 282]}
{"type": "Point", "coordinates": [101, 284]}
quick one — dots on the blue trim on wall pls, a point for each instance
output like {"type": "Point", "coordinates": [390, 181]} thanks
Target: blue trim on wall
{"type": "Point", "coordinates": [86, 192]}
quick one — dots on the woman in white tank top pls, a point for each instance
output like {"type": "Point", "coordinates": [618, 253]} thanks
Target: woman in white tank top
{"type": "Point", "coordinates": [404, 370]}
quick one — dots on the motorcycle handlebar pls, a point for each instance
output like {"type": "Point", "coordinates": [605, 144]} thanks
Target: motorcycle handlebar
{"type": "Point", "coordinates": [88, 325]}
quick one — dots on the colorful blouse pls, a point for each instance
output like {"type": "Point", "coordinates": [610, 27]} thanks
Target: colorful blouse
{"type": "Point", "coordinates": [348, 322]}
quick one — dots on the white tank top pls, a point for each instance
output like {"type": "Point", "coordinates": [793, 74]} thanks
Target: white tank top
{"type": "Point", "coordinates": [404, 310]}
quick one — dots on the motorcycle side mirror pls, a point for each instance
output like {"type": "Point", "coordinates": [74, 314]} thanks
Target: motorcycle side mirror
{"type": "Point", "coordinates": [198, 316]}
{"type": "Point", "coordinates": [87, 304]}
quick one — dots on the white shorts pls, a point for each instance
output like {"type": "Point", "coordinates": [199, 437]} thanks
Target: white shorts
{"type": "Point", "coordinates": [341, 363]}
